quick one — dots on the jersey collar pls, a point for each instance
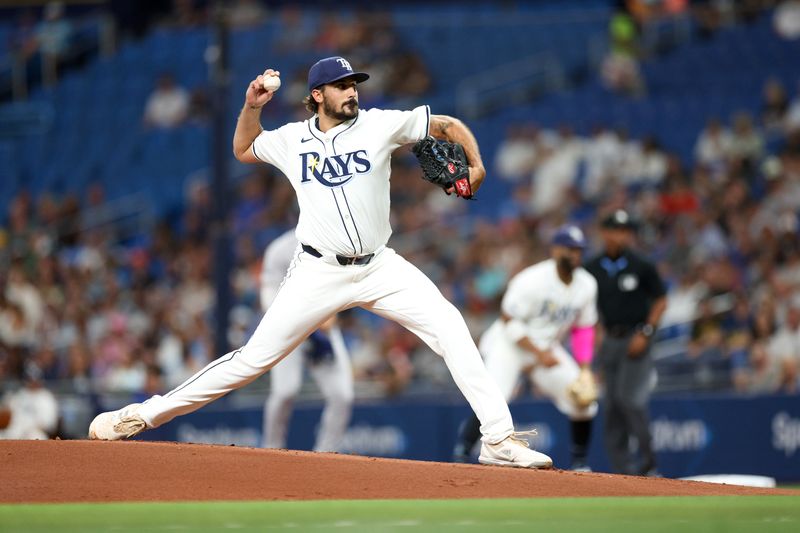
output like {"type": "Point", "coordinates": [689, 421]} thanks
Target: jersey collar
{"type": "Point", "coordinates": [614, 266]}
{"type": "Point", "coordinates": [314, 121]}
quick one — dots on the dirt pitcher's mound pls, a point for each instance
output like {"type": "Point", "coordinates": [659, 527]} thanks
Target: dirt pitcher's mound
{"type": "Point", "coordinates": [76, 471]}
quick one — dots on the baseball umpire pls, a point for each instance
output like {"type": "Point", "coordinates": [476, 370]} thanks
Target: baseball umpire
{"type": "Point", "coordinates": [631, 300]}
{"type": "Point", "coordinates": [543, 303]}
{"type": "Point", "coordinates": [338, 162]}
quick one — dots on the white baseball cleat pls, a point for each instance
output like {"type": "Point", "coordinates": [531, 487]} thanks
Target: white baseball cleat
{"type": "Point", "coordinates": [116, 425]}
{"type": "Point", "coordinates": [513, 451]}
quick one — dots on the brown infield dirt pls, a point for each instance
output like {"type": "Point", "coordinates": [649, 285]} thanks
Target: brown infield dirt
{"type": "Point", "coordinates": [92, 471]}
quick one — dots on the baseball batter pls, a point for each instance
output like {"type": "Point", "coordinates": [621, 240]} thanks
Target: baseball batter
{"type": "Point", "coordinates": [541, 305]}
{"type": "Point", "coordinates": [324, 353]}
{"type": "Point", "coordinates": [338, 162]}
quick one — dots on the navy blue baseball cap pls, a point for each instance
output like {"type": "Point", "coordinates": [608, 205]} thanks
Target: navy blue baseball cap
{"type": "Point", "coordinates": [570, 236]}
{"type": "Point", "coordinates": [332, 69]}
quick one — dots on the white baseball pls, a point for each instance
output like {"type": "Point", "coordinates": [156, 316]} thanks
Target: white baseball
{"type": "Point", "coordinates": [271, 83]}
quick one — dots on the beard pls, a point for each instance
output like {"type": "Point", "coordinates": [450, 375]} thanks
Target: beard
{"type": "Point", "coordinates": [349, 109]}
{"type": "Point", "coordinates": [566, 265]}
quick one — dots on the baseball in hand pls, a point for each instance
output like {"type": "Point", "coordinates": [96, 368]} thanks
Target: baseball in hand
{"type": "Point", "coordinates": [271, 83]}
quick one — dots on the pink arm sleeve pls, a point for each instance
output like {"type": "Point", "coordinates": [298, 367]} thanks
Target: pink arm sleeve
{"type": "Point", "coordinates": [583, 344]}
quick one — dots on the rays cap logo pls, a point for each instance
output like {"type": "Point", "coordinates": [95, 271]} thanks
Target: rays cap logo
{"type": "Point", "coordinates": [332, 69]}
{"type": "Point", "coordinates": [570, 236]}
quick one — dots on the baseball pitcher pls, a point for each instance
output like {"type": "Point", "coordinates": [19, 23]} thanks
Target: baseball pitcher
{"type": "Point", "coordinates": [338, 162]}
{"type": "Point", "coordinates": [541, 305]}
{"type": "Point", "coordinates": [324, 353]}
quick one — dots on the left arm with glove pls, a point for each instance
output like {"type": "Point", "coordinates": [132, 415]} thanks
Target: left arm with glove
{"type": "Point", "coordinates": [451, 129]}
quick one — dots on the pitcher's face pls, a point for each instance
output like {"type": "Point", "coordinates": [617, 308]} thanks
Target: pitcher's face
{"type": "Point", "coordinates": [340, 99]}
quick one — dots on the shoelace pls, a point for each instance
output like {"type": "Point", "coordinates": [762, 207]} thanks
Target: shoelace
{"type": "Point", "coordinates": [520, 436]}
{"type": "Point", "coordinates": [130, 426]}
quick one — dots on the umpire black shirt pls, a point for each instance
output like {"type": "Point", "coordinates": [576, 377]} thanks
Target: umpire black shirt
{"type": "Point", "coordinates": [627, 287]}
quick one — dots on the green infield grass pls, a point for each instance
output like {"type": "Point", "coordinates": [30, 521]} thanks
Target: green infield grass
{"type": "Point", "coordinates": [668, 514]}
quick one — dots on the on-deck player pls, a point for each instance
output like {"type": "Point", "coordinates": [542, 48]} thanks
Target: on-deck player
{"type": "Point", "coordinates": [324, 353]}
{"type": "Point", "coordinates": [541, 305]}
{"type": "Point", "coordinates": [338, 163]}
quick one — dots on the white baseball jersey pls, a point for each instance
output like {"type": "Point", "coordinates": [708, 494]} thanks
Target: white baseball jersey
{"type": "Point", "coordinates": [342, 176]}
{"type": "Point", "coordinates": [548, 308]}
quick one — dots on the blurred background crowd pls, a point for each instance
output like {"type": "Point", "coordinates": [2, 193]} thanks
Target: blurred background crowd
{"type": "Point", "coordinates": [685, 113]}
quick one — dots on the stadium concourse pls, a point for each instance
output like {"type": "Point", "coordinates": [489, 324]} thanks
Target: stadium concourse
{"type": "Point", "coordinates": [105, 247]}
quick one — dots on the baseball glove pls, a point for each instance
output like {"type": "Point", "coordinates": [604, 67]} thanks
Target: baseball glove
{"type": "Point", "coordinates": [444, 164]}
{"type": "Point", "coordinates": [583, 391]}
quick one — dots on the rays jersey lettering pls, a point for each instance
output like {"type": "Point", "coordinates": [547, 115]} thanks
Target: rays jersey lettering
{"type": "Point", "coordinates": [556, 314]}
{"type": "Point", "coordinates": [342, 176]}
{"type": "Point", "coordinates": [336, 170]}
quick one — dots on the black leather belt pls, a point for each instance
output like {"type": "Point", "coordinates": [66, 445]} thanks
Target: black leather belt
{"type": "Point", "coordinates": [343, 260]}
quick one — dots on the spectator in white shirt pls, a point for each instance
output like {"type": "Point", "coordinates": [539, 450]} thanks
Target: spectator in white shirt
{"type": "Point", "coordinates": [784, 347]}
{"type": "Point", "coordinates": [517, 154]}
{"type": "Point", "coordinates": [168, 104]}
{"type": "Point", "coordinates": [31, 412]}
{"type": "Point", "coordinates": [713, 145]}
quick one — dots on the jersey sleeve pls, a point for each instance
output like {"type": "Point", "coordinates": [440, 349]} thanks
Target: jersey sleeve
{"type": "Point", "coordinates": [517, 301]}
{"type": "Point", "coordinates": [406, 127]}
{"type": "Point", "coordinates": [587, 316]}
{"type": "Point", "coordinates": [271, 147]}
{"type": "Point", "coordinates": [518, 305]}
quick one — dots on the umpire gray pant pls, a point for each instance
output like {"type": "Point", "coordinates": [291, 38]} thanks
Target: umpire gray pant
{"type": "Point", "coordinates": [628, 382]}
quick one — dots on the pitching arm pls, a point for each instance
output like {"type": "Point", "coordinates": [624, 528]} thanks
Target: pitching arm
{"type": "Point", "coordinates": [248, 126]}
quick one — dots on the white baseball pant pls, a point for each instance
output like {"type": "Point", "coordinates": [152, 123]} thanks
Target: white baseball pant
{"type": "Point", "coordinates": [505, 361]}
{"type": "Point", "coordinates": [335, 380]}
{"type": "Point", "coordinates": [316, 288]}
